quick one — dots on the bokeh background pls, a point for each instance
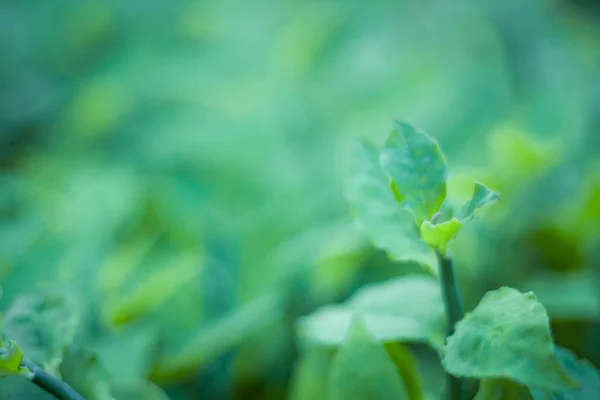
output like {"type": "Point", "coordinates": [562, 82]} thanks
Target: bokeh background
{"type": "Point", "coordinates": [177, 166]}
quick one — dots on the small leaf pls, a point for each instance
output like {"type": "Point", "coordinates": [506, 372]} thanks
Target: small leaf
{"type": "Point", "coordinates": [506, 336]}
{"type": "Point", "coordinates": [482, 197]}
{"type": "Point", "coordinates": [409, 308]}
{"type": "Point", "coordinates": [83, 370]}
{"type": "Point", "coordinates": [582, 370]}
{"type": "Point", "coordinates": [138, 390]}
{"type": "Point", "coordinates": [10, 360]}
{"type": "Point", "coordinates": [502, 389]}
{"type": "Point", "coordinates": [376, 211]}
{"type": "Point", "coordinates": [415, 164]}
{"type": "Point", "coordinates": [361, 369]}
{"type": "Point", "coordinates": [43, 325]}
{"type": "Point", "coordinates": [438, 235]}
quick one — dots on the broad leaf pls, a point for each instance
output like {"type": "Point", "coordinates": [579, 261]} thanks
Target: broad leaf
{"type": "Point", "coordinates": [582, 370]}
{"type": "Point", "coordinates": [506, 336]}
{"type": "Point", "coordinates": [83, 370]}
{"type": "Point", "coordinates": [438, 235]}
{"type": "Point", "coordinates": [390, 227]}
{"type": "Point", "coordinates": [43, 325]}
{"type": "Point", "coordinates": [408, 308]}
{"type": "Point", "coordinates": [361, 369]}
{"type": "Point", "coordinates": [417, 168]}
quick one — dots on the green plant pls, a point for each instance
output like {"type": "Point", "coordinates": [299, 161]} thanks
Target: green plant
{"type": "Point", "coordinates": [44, 353]}
{"type": "Point", "coordinates": [360, 348]}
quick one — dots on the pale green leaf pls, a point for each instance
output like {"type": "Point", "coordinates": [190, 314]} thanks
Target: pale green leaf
{"type": "Point", "coordinates": [362, 370]}
{"type": "Point", "coordinates": [138, 390]}
{"type": "Point", "coordinates": [43, 325]}
{"type": "Point", "coordinates": [581, 370]}
{"type": "Point", "coordinates": [438, 235]}
{"type": "Point", "coordinates": [482, 197]}
{"type": "Point", "coordinates": [506, 336]}
{"type": "Point", "coordinates": [390, 227]}
{"type": "Point", "coordinates": [83, 370]}
{"type": "Point", "coordinates": [501, 389]}
{"type": "Point", "coordinates": [408, 308]}
{"type": "Point", "coordinates": [417, 168]}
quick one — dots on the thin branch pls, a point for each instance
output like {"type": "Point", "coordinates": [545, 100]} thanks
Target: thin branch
{"type": "Point", "coordinates": [454, 313]}
{"type": "Point", "coordinates": [50, 384]}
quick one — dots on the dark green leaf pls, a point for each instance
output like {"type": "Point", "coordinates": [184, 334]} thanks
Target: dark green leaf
{"type": "Point", "coordinates": [362, 370]}
{"type": "Point", "coordinates": [417, 168]}
{"type": "Point", "coordinates": [138, 390]}
{"type": "Point", "coordinates": [506, 336]}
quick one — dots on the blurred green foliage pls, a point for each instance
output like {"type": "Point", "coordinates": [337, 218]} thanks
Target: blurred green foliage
{"type": "Point", "coordinates": [177, 167]}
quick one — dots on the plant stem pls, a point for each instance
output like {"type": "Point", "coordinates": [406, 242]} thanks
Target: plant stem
{"type": "Point", "coordinates": [454, 313]}
{"type": "Point", "coordinates": [50, 384]}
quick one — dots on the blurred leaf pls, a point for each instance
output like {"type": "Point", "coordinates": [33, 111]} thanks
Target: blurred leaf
{"type": "Point", "coordinates": [409, 308]}
{"type": "Point", "coordinates": [21, 388]}
{"type": "Point", "coordinates": [138, 390]}
{"type": "Point", "coordinates": [83, 370]}
{"type": "Point", "coordinates": [506, 336]}
{"type": "Point", "coordinates": [390, 227]}
{"type": "Point", "coordinates": [416, 166]}
{"type": "Point", "coordinates": [150, 293]}
{"type": "Point", "coordinates": [501, 389]}
{"type": "Point", "coordinates": [311, 374]}
{"type": "Point", "coordinates": [43, 325]}
{"type": "Point", "coordinates": [406, 368]}
{"type": "Point", "coordinates": [581, 370]}
{"type": "Point", "coordinates": [361, 369]}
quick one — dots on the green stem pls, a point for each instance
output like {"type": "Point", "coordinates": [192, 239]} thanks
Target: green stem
{"type": "Point", "coordinates": [50, 384]}
{"type": "Point", "coordinates": [454, 313]}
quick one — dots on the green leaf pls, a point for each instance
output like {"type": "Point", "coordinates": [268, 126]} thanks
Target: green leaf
{"type": "Point", "coordinates": [408, 308]}
{"type": "Point", "coordinates": [138, 390]}
{"type": "Point", "coordinates": [361, 369]}
{"type": "Point", "coordinates": [83, 370]}
{"type": "Point", "coordinates": [311, 374]}
{"type": "Point", "coordinates": [406, 368]}
{"type": "Point", "coordinates": [417, 168]}
{"type": "Point", "coordinates": [43, 325]}
{"type": "Point", "coordinates": [506, 336]}
{"type": "Point", "coordinates": [482, 197]}
{"type": "Point", "coordinates": [439, 235]}
{"type": "Point", "coordinates": [10, 360]}
{"type": "Point", "coordinates": [582, 370]}
{"type": "Point", "coordinates": [502, 389]}
{"type": "Point", "coordinates": [389, 227]}
{"type": "Point", "coordinates": [21, 388]}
